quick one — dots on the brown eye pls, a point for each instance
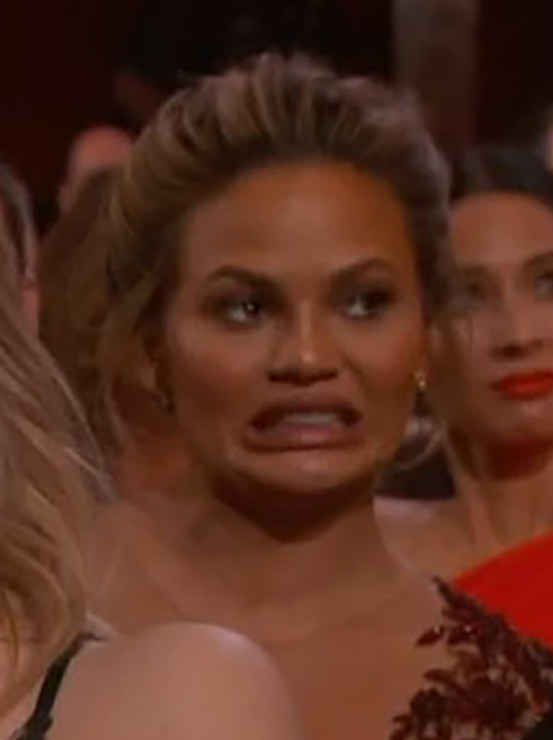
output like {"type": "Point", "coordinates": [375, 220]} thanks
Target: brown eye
{"type": "Point", "coordinates": [368, 303]}
{"type": "Point", "coordinates": [466, 296]}
{"type": "Point", "coordinates": [240, 311]}
{"type": "Point", "coordinates": [544, 285]}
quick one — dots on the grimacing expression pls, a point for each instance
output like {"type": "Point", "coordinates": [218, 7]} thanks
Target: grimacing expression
{"type": "Point", "coordinates": [491, 354]}
{"type": "Point", "coordinates": [296, 328]}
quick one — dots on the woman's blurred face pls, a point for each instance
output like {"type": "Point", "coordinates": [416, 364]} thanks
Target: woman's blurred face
{"type": "Point", "coordinates": [293, 338]}
{"type": "Point", "coordinates": [492, 353]}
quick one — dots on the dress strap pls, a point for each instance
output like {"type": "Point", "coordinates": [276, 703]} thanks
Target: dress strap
{"type": "Point", "coordinates": [40, 721]}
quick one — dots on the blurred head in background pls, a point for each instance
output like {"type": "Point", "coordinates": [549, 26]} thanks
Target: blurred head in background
{"type": "Point", "coordinates": [72, 283]}
{"type": "Point", "coordinates": [93, 150]}
{"type": "Point", "coordinates": [492, 355]}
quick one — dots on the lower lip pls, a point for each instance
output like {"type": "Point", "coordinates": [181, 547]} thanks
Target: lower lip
{"type": "Point", "coordinates": [526, 388]}
{"type": "Point", "coordinates": [288, 436]}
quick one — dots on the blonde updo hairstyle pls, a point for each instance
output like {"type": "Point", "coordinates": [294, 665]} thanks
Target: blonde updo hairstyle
{"type": "Point", "coordinates": [49, 474]}
{"type": "Point", "coordinates": [269, 110]}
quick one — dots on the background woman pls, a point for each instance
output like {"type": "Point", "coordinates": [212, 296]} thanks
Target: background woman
{"type": "Point", "coordinates": [491, 372]}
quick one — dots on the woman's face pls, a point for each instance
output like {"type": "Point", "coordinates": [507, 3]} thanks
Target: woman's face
{"type": "Point", "coordinates": [492, 353]}
{"type": "Point", "coordinates": [293, 337]}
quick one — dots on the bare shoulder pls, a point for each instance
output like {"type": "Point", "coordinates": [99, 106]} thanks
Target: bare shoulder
{"type": "Point", "coordinates": [175, 681]}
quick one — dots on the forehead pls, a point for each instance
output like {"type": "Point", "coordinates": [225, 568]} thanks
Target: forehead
{"type": "Point", "coordinates": [501, 228]}
{"type": "Point", "coordinates": [279, 214]}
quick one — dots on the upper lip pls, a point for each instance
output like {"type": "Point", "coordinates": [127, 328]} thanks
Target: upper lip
{"type": "Point", "coordinates": [528, 376]}
{"type": "Point", "coordinates": [271, 413]}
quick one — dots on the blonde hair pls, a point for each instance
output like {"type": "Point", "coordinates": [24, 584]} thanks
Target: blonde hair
{"type": "Point", "coordinates": [49, 472]}
{"type": "Point", "coordinates": [271, 109]}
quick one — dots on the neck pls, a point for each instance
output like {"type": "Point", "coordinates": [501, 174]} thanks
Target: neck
{"type": "Point", "coordinates": [505, 490]}
{"type": "Point", "coordinates": [274, 586]}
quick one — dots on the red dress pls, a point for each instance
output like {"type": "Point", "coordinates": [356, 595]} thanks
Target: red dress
{"type": "Point", "coordinates": [519, 585]}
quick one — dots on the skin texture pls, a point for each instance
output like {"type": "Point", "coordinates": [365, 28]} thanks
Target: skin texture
{"type": "Point", "coordinates": [172, 681]}
{"type": "Point", "coordinates": [280, 543]}
{"type": "Point", "coordinates": [333, 294]}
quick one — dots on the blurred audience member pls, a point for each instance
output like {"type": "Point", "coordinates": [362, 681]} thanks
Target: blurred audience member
{"type": "Point", "coordinates": [72, 285]}
{"type": "Point", "coordinates": [17, 223]}
{"type": "Point", "coordinates": [95, 149]}
{"type": "Point", "coordinates": [491, 372]}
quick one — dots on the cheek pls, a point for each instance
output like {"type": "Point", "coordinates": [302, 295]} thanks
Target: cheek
{"type": "Point", "coordinates": [210, 374]}
{"type": "Point", "coordinates": [389, 360]}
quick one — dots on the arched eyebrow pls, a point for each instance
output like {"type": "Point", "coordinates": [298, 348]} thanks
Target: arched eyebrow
{"type": "Point", "coordinates": [243, 275]}
{"type": "Point", "coordinates": [349, 272]}
{"type": "Point", "coordinates": [343, 274]}
{"type": "Point", "coordinates": [542, 259]}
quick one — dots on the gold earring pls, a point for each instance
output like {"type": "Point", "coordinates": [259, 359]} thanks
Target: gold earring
{"type": "Point", "coordinates": [420, 381]}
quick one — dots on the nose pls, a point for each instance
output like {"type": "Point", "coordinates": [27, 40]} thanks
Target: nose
{"type": "Point", "coordinates": [517, 331]}
{"type": "Point", "coordinates": [304, 352]}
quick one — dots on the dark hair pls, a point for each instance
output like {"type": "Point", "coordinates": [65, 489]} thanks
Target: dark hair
{"type": "Point", "coordinates": [73, 286]}
{"type": "Point", "coordinates": [502, 169]}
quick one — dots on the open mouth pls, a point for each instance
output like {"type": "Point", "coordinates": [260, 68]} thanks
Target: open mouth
{"type": "Point", "coordinates": [309, 416]}
{"type": "Point", "coordinates": [304, 426]}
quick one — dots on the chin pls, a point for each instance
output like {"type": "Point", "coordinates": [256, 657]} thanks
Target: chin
{"type": "Point", "coordinates": [519, 431]}
{"type": "Point", "coordinates": [314, 475]}
{"type": "Point", "coordinates": [290, 497]}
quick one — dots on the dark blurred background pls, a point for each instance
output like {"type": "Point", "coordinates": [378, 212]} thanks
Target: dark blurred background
{"type": "Point", "coordinates": [62, 61]}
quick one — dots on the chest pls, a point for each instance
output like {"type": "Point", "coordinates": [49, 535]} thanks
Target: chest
{"type": "Point", "coordinates": [351, 682]}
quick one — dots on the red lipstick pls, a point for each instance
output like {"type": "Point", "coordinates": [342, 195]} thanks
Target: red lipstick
{"type": "Point", "coordinates": [525, 386]}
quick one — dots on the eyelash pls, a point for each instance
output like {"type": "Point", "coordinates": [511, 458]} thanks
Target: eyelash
{"type": "Point", "coordinates": [374, 302]}
{"type": "Point", "coordinates": [547, 278]}
{"type": "Point", "coordinates": [469, 296]}
{"type": "Point", "coordinates": [223, 308]}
